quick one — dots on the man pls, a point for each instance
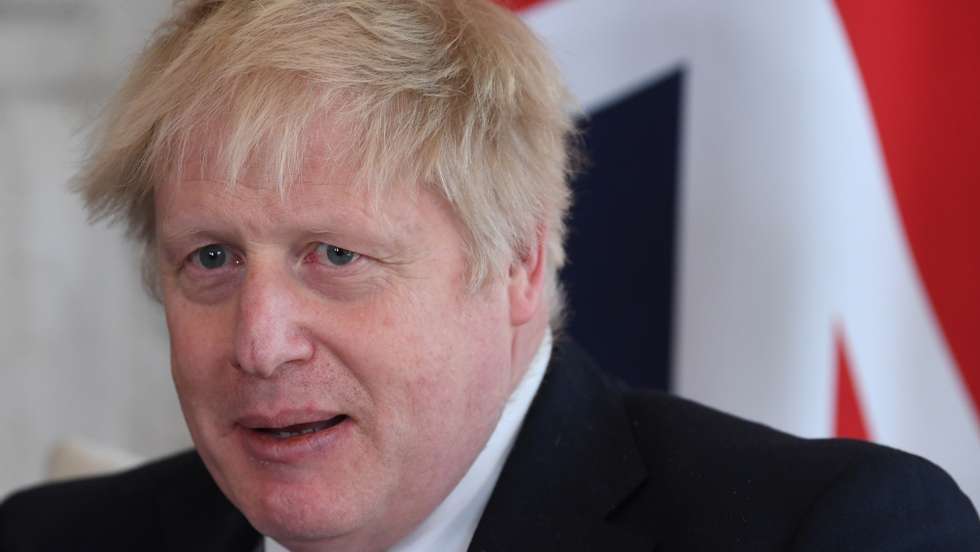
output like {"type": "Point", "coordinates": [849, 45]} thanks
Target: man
{"type": "Point", "coordinates": [353, 216]}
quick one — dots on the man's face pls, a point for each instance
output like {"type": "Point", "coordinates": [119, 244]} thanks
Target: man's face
{"type": "Point", "coordinates": [336, 374]}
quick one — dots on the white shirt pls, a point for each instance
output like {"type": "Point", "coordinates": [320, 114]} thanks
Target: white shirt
{"type": "Point", "coordinates": [450, 527]}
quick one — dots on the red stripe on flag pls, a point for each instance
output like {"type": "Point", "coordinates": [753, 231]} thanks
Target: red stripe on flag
{"type": "Point", "coordinates": [518, 5]}
{"type": "Point", "coordinates": [848, 419]}
{"type": "Point", "coordinates": [920, 62]}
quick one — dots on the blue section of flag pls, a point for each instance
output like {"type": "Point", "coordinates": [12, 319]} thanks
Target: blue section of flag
{"type": "Point", "coordinates": [620, 277]}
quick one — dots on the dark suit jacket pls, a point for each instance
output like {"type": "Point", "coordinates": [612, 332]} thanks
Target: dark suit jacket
{"type": "Point", "coordinates": [596, 466]}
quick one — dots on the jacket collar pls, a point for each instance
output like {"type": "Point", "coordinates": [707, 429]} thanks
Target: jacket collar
{"type": "Point", "coordinates": [195, 515]}
{"type": "Point", "coordinates": [574, 463]}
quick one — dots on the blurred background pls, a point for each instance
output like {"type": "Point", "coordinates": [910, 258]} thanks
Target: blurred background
{"type": "Point", "coordinates": [779, 219]}
{"type": "Point", "coordinates": [83, 350]}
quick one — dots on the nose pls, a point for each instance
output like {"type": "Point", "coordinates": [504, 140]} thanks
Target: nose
{"type": "Point", "coordinates": [269, 334]}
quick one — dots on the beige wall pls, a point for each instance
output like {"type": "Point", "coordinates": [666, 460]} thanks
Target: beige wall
{"type": "Point", "coordinates": [83, 351]}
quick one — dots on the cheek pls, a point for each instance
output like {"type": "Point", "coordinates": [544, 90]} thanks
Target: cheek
{"type": "Point", "coordinates": [459, 372]}
{"type": "Point", "coordinates": [200, 341]}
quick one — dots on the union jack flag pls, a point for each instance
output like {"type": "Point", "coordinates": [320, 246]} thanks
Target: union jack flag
{"type": "Point", "coordinates": [782, 213]}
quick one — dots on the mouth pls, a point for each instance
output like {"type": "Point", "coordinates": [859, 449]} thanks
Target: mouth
{"type": "Point", "coordinates": [294, 437]}
{"type": "Point", "coordinates": [298, 430]}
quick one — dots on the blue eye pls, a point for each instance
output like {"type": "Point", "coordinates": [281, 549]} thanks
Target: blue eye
{"type": "Point", "coordinates": [212, 256]}
{"type": "Point", "coordinates": [334, 255]}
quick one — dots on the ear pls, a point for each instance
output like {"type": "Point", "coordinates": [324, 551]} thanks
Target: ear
{"type": "Point", "coordinates": [526, 280]}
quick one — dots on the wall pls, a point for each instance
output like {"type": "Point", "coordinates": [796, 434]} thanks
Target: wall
{"type": "Point", "coordinates": [83, 350]}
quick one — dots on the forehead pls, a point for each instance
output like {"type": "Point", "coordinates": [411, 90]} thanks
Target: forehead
{"type": "Point", "coordinates": [322, 188]}
{"type": "Point", "coordinates": [322, 151]}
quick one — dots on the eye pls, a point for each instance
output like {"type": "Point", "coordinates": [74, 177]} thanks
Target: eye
{"type": "Point", "coordinates": [212, 257]}
{"type": "Point", "coordinates": [336, 256]}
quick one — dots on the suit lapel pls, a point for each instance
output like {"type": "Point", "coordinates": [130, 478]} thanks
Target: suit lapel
{"type": "Point", "coordinates": [195, 515]}
{"type": "Point", "coordinates": [574, 462]}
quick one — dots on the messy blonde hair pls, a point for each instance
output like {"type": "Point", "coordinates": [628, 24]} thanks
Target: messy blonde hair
{"type": "Point", "coordinates": [457, 95]}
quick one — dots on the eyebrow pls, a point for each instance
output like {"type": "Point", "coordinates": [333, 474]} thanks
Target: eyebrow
{"type": "Point", "coordinates": [386, 246]}
{"type": "Point", "coordinates": [365, 228]}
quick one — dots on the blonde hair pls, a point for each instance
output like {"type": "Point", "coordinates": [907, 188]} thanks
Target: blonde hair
{"type": "Point", "coordinates": [454, 94]}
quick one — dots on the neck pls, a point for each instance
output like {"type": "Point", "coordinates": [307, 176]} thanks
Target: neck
{"type": "Point", "coordinates": [527, 339]}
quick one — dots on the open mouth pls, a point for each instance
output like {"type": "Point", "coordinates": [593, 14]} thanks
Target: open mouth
{"type": "Point", "coordinates": [301, 429]}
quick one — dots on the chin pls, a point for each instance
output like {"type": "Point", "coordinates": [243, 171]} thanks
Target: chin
{"type": "Point", "coordinates": [307, 505]}
{"type": "Point", "coordinates": [294, 516]}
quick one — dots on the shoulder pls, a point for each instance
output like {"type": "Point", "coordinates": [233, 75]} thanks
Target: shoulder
{"type": "Point", "coordinates": [118, 511]}
{"type": "Point", "coordinates": [768, 489]}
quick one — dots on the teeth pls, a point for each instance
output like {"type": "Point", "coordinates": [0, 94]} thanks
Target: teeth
{"type": "Point", "coordinates": [310, 428]}
{"type": "Point", "coordinates": [287, 434]}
